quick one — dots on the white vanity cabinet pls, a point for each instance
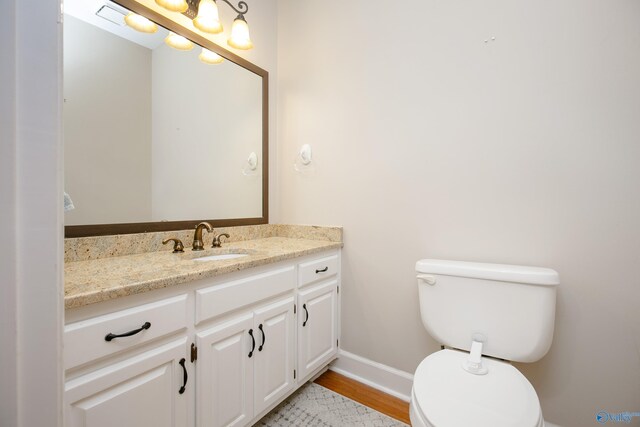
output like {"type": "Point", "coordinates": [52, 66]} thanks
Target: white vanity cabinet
{"type": "Point", "coordinates": [144, 390]}
{"type": "Point", "coordinates": [317, 326]}
{"type": "Point", "coordinates": [245, 365]}
{"type": "Point", "coordinates": [242, 341]}
{"type": "Point", "coordinates": [275, 358]}
{"type": "Point", "coordinates": [86, 340]}
{"type": "Point", "coordinates": [224, 395]}
{"type": "Point", "coordinates": [319, 284]}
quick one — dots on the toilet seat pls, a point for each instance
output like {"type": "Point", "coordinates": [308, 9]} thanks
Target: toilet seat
{"type": "Point", "coordinates": [445, 395]}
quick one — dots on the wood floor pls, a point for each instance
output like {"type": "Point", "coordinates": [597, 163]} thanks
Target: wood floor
{"type": "Point", "coordinates": [368, 396]}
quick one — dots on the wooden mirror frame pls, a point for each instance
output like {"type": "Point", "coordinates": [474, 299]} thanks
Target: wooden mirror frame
{"type": "Point", "coordinates": [144, 227]}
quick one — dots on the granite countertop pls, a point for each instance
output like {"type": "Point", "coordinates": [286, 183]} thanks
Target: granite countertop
{"type": "Point", "coordinates": [96, 280]}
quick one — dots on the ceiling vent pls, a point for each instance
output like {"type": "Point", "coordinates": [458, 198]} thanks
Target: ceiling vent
{"type": "Point", "coordinates": [111, 15]}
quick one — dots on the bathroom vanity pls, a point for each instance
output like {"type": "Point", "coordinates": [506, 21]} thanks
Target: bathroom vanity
{"type": "Point", "coordinates": [213, 337]}
{"type": "Point", "coordinates": [161, 339]}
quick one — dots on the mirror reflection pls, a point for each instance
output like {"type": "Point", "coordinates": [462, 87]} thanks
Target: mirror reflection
{"type": "Point", "coordinates": [154, 133]}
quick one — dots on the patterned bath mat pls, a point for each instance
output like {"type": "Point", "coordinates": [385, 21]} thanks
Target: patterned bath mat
{"type": "Point", "coordinates": [314, 405]}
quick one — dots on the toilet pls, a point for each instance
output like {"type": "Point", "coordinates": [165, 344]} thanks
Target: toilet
{"type": "Point", "coordinates": [485, 316]}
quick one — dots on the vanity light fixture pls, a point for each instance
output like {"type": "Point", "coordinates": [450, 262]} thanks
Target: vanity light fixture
{"type": "Point", "coordinates": [209, 57]}
{"type": "Point", "coordinates": [204, 14]}
{"type": "Point", "coordinates": [140, 23]}
{"type": "Point", "coordinates": [240, 34]}
{"type": "Point", "coordinates": [174, 5]}
{"type": "Point", "coordinates": [178, 42]}
{"type": "Point", "coordinates": [207, 19]}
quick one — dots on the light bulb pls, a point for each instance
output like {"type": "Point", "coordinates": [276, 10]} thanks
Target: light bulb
{"type": "Point", "coordinates": [209, 57]}
{"type": "Point", "coordinates": [240, 34]}
{"type": "Point", "coordinates": [140, 23]}
{"type": "Point", "coordinates": [208, 19]}
{"type": "Point", "coordinates": [174, 5]}
{"type": "Point", "coordinates": [178, 42]}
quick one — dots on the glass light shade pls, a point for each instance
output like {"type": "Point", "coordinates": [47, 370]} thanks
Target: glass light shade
{"type": "Point", "coordinates": [240, 34]}
{"type": "Point", "coordinates": [178, 42]}
{"type": "Point", "coordinates": [209, 57]}
{"type": "Point", "coordinates": [208, 19]}
{"type": "Point", "coordinates": [140, 23]}
{"type": "Point", "coordinates": [174, 5]}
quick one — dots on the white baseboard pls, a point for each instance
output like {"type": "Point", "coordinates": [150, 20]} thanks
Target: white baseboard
{"type": "Point", "coordinates": [548, 424]}
{"type": "Point", "coordinates": [381, 377]}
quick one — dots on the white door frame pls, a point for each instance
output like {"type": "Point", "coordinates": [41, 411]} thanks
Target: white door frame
{"type": "Point", "coordinates": [31, 218]}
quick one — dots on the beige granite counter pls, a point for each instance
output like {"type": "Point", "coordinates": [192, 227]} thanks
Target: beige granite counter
{"type": "Point", "coordinates": [95, 280]}
{"type": "Point", "coordinates": [87, 248]}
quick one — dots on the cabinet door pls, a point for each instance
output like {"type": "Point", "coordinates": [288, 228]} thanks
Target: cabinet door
{"type": "Point", "coordinates": [317, 326]}
{"type": "Point", "coordinates": [274, 363]}
{"type": "Point", "coordinates": [224, 373]}
{"type": "Point", "coordinates": [140, 391]}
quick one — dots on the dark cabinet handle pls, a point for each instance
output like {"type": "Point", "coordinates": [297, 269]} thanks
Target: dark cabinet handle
{"type": "Point", "coordinates": [323, 270]}
{"type": "Point", "coordinates": [264, 337]}
{"type": "Point", "coordinates": [186, 377]}
{"type": "Point", "coordinates": [253, 342]}
{"type": "Point", "coordinates": [109, 337]}
{"type": "Point", "coordinates": [306, 317]}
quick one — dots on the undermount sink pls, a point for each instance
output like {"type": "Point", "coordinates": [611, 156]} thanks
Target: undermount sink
{"type": "Point", "coordinates": [219, 257]}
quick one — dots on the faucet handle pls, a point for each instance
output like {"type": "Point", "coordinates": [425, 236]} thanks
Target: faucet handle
{"type": "Point", "coordinates": [177, 244]}
{"type": "Point", "coordinates": [217, 243]}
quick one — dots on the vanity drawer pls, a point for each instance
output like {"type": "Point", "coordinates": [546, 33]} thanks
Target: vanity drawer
{"type": "Point", "coordinates": [86, 340]}
{"type": "Point", "coordinates": [317, 269]}
{"type": "Point", "coordinates": [225, 297]}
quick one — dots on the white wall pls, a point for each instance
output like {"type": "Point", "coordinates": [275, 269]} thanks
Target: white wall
{"type": "Point", "coordinates": [107, 126]}
{"type": "Point", "coordinates": [207, 119]}
{"type": "Point", "coordinates": [432, 143]}
{"type": "Point", "coordinates": [31, 225]}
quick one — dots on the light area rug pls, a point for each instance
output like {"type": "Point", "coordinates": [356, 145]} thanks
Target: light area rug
{"type": "Point", "coordinates": [314, 405]}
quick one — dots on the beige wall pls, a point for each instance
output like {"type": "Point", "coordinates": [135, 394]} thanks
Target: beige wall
{"type": "Point", "coordinates": [107, 172]}
{"type": "Point", "coordinates": [432, 143]}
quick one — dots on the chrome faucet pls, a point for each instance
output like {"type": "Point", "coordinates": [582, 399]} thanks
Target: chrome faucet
{"type": "Point", "coordinates": [198, 245]}
{"type": "Point", "coordinates": [216, 240]}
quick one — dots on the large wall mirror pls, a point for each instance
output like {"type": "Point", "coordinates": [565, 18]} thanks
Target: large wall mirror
{"type": "Point", "coordinates": [154, 138]}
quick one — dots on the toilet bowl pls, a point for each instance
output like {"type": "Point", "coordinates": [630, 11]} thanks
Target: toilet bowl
{"type": "Point", "coordinates": [486, 315]}
{"type": "Point", "coordinates": [444, 394]}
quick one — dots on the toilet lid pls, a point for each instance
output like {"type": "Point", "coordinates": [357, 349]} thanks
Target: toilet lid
{"type": "Point", "coordinates": [449, 396]}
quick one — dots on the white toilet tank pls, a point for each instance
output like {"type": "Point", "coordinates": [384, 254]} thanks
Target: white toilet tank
{"type": "Point", "coordinates": [510, 308]}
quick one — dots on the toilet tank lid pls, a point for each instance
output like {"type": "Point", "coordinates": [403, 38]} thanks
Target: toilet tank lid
{"type": "Point", "coordinates": [500, 272]}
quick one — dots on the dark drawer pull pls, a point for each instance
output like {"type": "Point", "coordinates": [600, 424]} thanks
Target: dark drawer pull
{"type": "Point", "coordinates": [186, 377]}
{"type": "Point", "coordinates": [306, 317]}
{"type": "Point", "coordinates": [264, 337]}
{"type": "Point", "coordinates": [109, 337]}
{"type": "Point", "coordinates": [253, 342]}
{"type": "Point", "coordinates": [323, 270]}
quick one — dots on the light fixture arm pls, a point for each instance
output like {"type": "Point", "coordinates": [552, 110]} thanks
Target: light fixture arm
{"type": "Point", "coordinates": [242, 8]}
{"type": "Point", "coordinates": [209, 22]}
{"type": "Point", "coordinates": [192, 12]}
